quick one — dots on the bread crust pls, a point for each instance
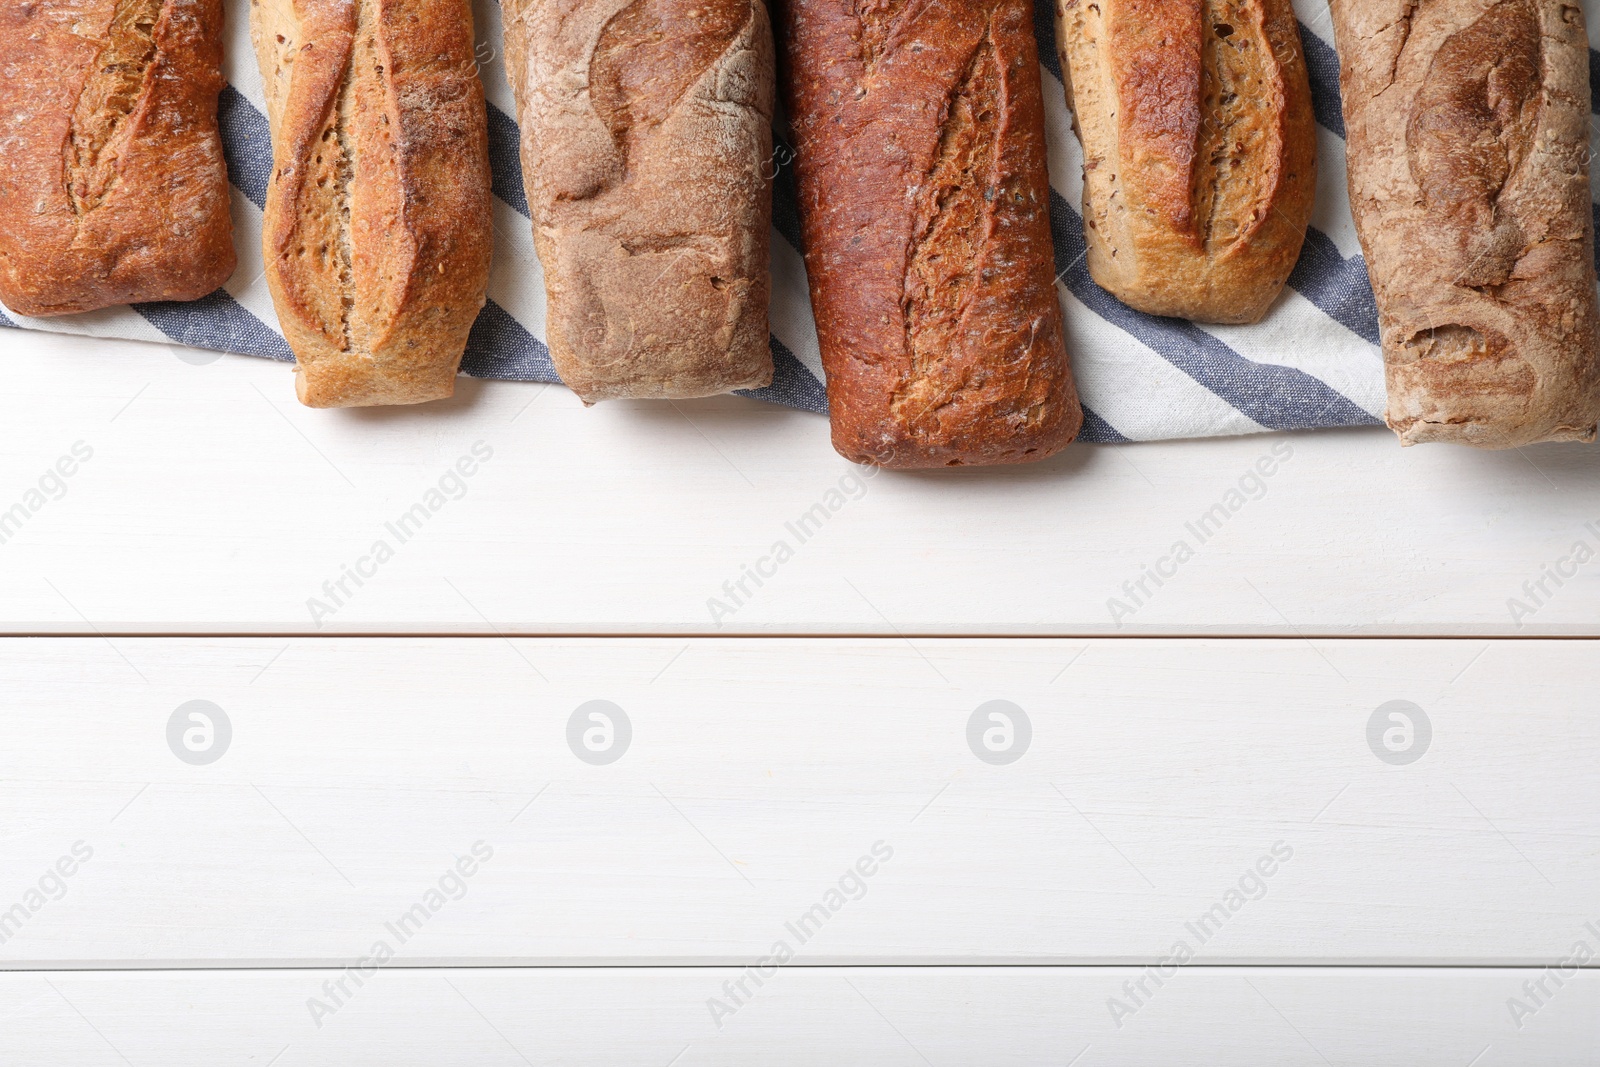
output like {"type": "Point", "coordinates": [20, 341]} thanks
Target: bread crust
{"type": "Point", "coordinates": [1199, 148]}
{"type": "Point", "coordinates": [646, 152]}
{"type": "Point", "coordinates": [378, 227]}
{"type": "Point", "coordinates": [1468, 127]}
{"type": "Point", "coordinates": [113, 187]}
{"type": "Point", "coordinates": [924, 200]}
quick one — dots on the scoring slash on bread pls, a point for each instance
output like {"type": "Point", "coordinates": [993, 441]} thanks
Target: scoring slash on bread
{"type": "Point", "coordinates": [646, 148]}
{"type": "Point", "coordinates": [113, 187]}
{"type": "Point", "coordinates": [1468, 126]}
{"type": "Point", "coordinates": [920, 151]}
{"type": "Point", "coordinates": [377, 232]}
{"type": "Point", "coordinates": [1199, 148]}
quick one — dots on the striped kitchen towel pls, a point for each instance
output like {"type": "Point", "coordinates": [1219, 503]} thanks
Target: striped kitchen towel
{"type": "Point", "coordinates": [1312, 362]}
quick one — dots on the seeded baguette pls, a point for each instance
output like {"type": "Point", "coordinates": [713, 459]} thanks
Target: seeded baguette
{"type": "Point", "coordinates": [920, 151]}
{"type": "Point", "coordinates": [1199, 149]}
{"type": "Point", "coordinates": [646, 148]}
{"type": "Point", "coordinates": [113, 187]}
{"type": "Point", "coordinates": [377, 233]}
{"type": "Point", "coordinates": [1468, 126]}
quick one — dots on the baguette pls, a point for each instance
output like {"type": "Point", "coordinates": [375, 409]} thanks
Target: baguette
{"type": "Point", "coordinates": [113, 187]}
{"type": "Point", "coordinates": [1468, 125]}
{"type": "Point", "coordinates": [646, 134]}
{"type": "Point", "coordinates": [1199, 150]}
{"type": "Point", "coordinates": [924, 203]}
{"type": "Point", "coordinates": [377, 232]}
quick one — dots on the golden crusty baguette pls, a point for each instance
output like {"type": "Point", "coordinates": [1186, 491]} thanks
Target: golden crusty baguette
{"type": "Point", "coordinates": [377, 232]}
{"type": "Point", "coordinates": [1199, 149]}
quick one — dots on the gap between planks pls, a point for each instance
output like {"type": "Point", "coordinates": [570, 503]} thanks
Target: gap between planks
{"type": "Point", "coordinates": [31, 967]}
{"type": "Point", "coordinates": [694, 635]}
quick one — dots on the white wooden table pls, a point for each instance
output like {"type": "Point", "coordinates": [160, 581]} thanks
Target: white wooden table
{"type": "Point", "coordinates": [800, 831]}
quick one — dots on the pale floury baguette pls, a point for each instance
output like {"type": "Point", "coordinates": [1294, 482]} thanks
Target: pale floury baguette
{"type": "Point", "coordinates": [1468, 125]}
{"type": "Point", "coordinates": [1199, 149]}
{"type": "Point", "coordinates": [113, 187]}
{"type": "Point", "coordinates": [646, 149]}
{"type": "Point", "coordinates": [377, 232]}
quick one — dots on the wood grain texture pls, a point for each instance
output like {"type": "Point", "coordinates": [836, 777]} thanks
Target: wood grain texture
{"type": "Point", "coordinates": [901, 1017]}
{"type": "Point", "coordinates": [823, 794]}
{"type": "Point", "coordinates": [631, 518]}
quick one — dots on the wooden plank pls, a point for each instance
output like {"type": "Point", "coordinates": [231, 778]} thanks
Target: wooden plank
{"type": "Point", "coordinates": [1271, 1017]}
{"type": "Point", "coordinates": [213, 502]}
{"type": "Point", "coordinates": [823, 793]}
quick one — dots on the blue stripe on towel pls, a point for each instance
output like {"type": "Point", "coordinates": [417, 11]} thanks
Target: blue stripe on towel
{"type": "Point", "coordinates": [1338, 286]}
{"type": "Point", "coordinates": [1277, 397]}
{"type": "Point", "coordinates": [1322, 63]}
{"type": "Point", "coordinates": [505, 161]}
{"type": "Point", "coordinates": [786, 194]}
{"type": "Point", "coordinates": [501, 347]}
{"type": "Point", "coordinates": [1098, 430]}
{"type": "Point", "coordinates": [792, 384]}
{"type": "Point", "coordinates": [216, 321]}
{"type": "Point", "coordinates": [246, 145]}
{"type": "Point", "coordinates": [1044, 34]}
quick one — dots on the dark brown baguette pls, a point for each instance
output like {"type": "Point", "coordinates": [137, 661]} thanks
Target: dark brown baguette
{"type": "Point", "coordinates": [1199, 150]}
{"type": "Point", "coordinates": [646, 140]}
{"type": "Point", "coordinates": [919, 137]}
{"type": "Point", "coordinates": [378, 225]}
{"type": "Point", "coordinates": [1468, 126]}
{"type": "Point", "coordinates": [113, 187]}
